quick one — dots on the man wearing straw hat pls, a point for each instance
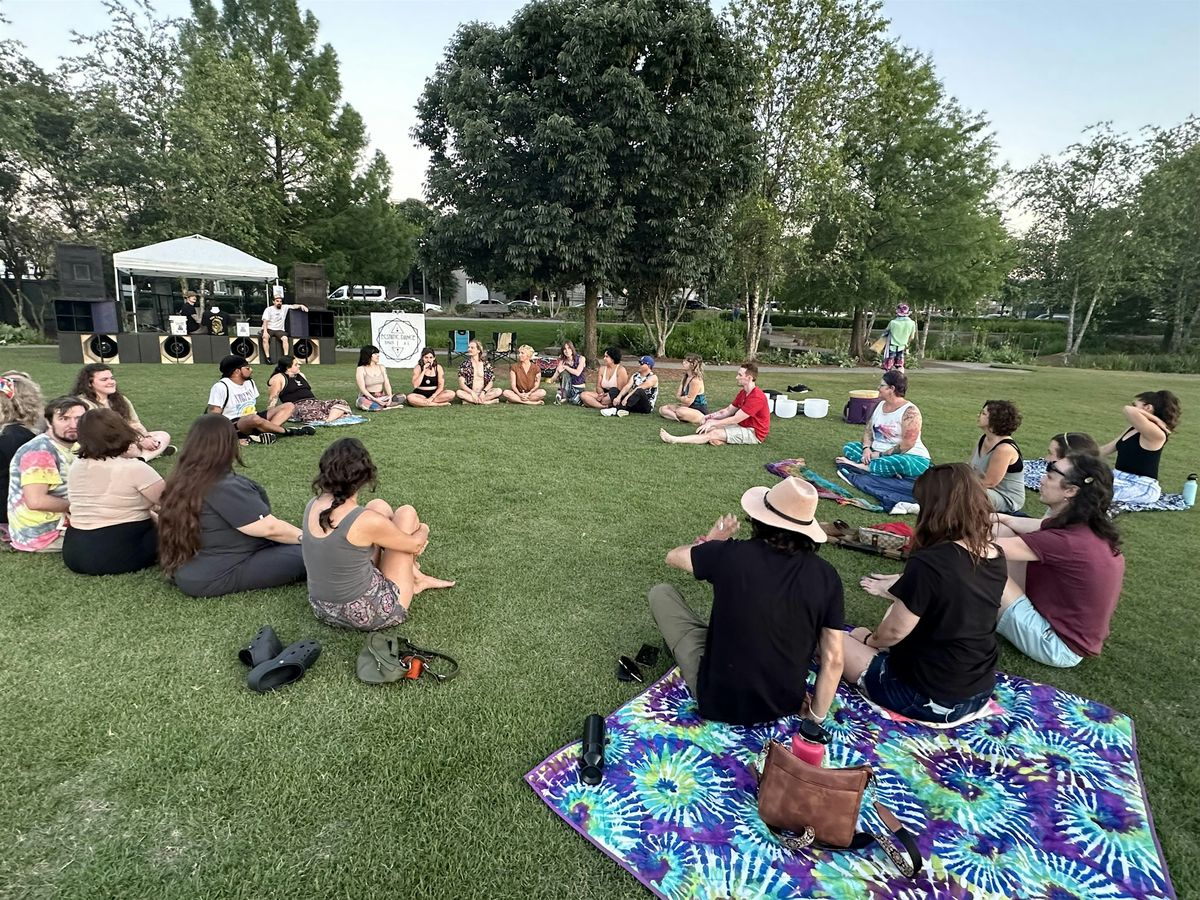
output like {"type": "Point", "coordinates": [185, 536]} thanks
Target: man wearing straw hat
{"type": "Point", "coordinates": [898, 335]}
{"type": "Point", "coordinates": [774, 601]}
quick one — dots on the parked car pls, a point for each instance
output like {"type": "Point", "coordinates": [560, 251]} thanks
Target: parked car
{"type": "Point", "coordinates": [521, 305]}
{"type": "Point", "coordinates": [413, 305]}
{"type": "Point", "coordinates": [696, 304]}
{"type": "Point", "coordinates": [375, 293]}
{"type": "Point", "coordinates": [489, 308]}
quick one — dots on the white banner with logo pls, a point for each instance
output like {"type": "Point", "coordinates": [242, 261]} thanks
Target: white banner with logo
{"type": "Point", "coordinates": [399, 337]}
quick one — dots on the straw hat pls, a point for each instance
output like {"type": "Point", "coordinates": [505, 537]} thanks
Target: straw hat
{"type": "Point", "coordinates": [790, 505]}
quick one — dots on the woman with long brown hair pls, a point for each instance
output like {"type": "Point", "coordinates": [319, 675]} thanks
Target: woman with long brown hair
{"type": "Point", "coordinates": [933, 656]}
{"type": "Point", "coordinates": [362, 560]}
{"type": "Point", "coordinates": [96, 386]}
{"type": "Point", "coordinates": [216, 534]}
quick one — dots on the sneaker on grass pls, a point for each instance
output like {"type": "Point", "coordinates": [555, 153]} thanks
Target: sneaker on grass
{"type": "Point", "coordinates": [303, 430]}
{"type": "Point", "coordinates": [607, 412]}
{"type": "Point", "coordinates": [263, 438]}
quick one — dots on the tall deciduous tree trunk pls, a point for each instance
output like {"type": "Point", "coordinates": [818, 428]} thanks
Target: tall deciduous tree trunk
{"type": "Point", "coordinates": [927, 315]}
{"type": "Point", "coordinates": [591, 300]}
{"type": "Point", "coordinates": [858, 333]}
{"type": "Point", "coordinates": [1069, 352]}
{"type": "Point", "coordinates": [758, 298]}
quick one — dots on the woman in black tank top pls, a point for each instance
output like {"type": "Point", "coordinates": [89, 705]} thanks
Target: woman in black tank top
{"type": "Point", "coordinates": [287, 385]}
{"type": "Point", "coordinates": [1152, 417]}
{"type": "Point", "coordinates": [429, 382]}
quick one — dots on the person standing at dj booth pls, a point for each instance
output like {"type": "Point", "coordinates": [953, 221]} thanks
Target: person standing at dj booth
{"type": "Point", "coordinates": [191, 309]}
{"type": "Point", "coordinates": [273, 319]}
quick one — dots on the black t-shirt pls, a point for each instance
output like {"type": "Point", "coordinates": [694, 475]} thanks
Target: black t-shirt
{"type": "Point", "coordinates": [12, 437]}
{"type": "Point", "coordinates": [951, 654]}
{"type": "Point", "coordinates": [767, 614]}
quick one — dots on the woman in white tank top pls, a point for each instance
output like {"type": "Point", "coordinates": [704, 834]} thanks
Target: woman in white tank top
{"type": "Point", "coordinates": [891, 444]}
{"type": "Point", "coordinates": [610, 378]}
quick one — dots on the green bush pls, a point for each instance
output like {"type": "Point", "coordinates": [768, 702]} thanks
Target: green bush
{"type": "Point", "coordinates": [716, 341]}
{"type": "Point", "coordinates": [19, 334]}
{"type": "Point", "coordinates": [1182, 363]}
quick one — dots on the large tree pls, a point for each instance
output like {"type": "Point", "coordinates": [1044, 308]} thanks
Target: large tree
{"type": "Point", "coordinates": [595, 142]}
{"type": "Point", "coordinates": [814, 61]}
{"type": "Point", "coordinates": [912, 216]}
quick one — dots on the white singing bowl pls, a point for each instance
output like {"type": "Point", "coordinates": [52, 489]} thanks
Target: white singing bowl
{"type": "Point", "coordinates": [816, 409]}
{"type": "Point", "coordinates": [785, 407]}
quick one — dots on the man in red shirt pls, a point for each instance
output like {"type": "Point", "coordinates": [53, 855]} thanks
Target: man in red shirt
{"type": "Point", "coordinates": [747, 420]}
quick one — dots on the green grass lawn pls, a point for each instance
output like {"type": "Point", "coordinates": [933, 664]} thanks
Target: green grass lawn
{"type": "Point", "coordinates": [137, 764]}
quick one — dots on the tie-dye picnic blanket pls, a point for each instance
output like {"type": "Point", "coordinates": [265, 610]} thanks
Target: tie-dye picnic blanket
{"type": "Point", "coordinates": [826, 489]}
{"type": "Point", "coordinates": [344, 420]}
{"type": "Point", "coordinates": [1036, 468]}
{"type": "Point", "coordinates": [1045, 799]}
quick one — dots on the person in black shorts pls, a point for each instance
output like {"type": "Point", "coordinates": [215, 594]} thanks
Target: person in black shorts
{"type": "Point", "coordinates": [429, 383]}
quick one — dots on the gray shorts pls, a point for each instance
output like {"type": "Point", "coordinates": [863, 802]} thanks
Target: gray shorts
{"type": "Point", "coordinates": [740, 434]}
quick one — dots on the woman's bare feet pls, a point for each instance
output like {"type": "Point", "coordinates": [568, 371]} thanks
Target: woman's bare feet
{"type": "Point", "coordinates": [423, 582]}
{"type": "Point", "coordinates": [667, 436]}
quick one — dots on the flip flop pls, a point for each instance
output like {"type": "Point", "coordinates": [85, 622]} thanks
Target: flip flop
{"type": "Point", "coordinates": [286, 668]}
{"type": "Point", "coordinates": [264, 646]}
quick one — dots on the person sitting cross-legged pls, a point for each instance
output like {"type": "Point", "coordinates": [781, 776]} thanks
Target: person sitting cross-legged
{"type": "Point", "coordinates": [774, 601]}
{"type": "Point", "coordinates": [38, 503]}
{"type": "Point", "coordinates": [476, 378]}
{"type": "Point", "coordinates": [362, 560]}
{"type": "Point", "coordinates": [1065, 571]}
{"type": "Point", "coordinates": [429, 382]}
{"type": "Point", "coordinates": [288, 385]}
{"type": "Point", "coordinates": [525, 380]}
{"type": "Point", "coordinates": [690, 404]}
{"type": "Point", "coordinates": [234, 397]}
{"type": "Point", "coordinates": [747, 420]}
{"type": "Point", "coordinates": [933, 655]}
{"type": "Point", "coordinates": [611, 376]}
{"type": "Point", "coordinates": [639, 394]}
{"type": "Point", "coordinates": [891, 445]}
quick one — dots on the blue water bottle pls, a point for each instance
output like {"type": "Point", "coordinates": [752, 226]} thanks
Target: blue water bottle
{"type": "Point", "coordinates": [1189, 490]}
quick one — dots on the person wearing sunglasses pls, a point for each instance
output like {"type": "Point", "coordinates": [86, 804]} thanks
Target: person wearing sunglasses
{"type": "Point", "coordinates": [1065, 572]}
{"type": "Point", "coordinates": [1151, 418]}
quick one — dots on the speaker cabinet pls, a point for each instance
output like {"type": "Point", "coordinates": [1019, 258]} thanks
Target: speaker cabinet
{"type": "Point", "coordinates": [309, 285]}
{"type": "Point", "coordinates": [315, 351]}
{"type": "Point", "coordinates": [321, 323]}
{"type": "Point", "coordinates": [297, 324]}
{"type": "Point", "coordinates": [148, 349]}
{"type": "Point", "coordinates": [209, 348]}
{"type": "Point", "coordinates": [244, 346]}
{"type": "Point", "coordinates": [80, 270]}
{"type": "Point", "coordinates": [81, 316]}
{"type": "Point", "coordinates": [175, 349]}
{"type": "Point", "coordinates": [100, 348]}
{"type": "Point", "coordinates": [130, 348]}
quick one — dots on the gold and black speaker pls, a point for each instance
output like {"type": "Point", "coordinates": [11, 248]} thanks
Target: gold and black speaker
{"type": "Point", "coordinates": [315, 351]}
{"type": "Point", "coordinates": [175, 350]}
{"type": "Point", "coordinates": [100, 348]}
{"type": "Point", "coordinates": [245, 346]}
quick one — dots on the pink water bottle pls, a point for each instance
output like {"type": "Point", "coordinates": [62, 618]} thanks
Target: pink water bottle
{"type": "Point", "coordinates": [809, 742]}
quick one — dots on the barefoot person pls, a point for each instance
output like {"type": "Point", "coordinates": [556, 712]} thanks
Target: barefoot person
{"type": "Point", "coordinates": [933, 655]}
{"type": "Point", "coordinates": [96, 386]}
{"type": "Point", "coordinates": [571, 373]}
{"type": "Point", "coordinates": [429, 383]}
{"type": "Point", "coordinates": [374, 387]}
{"type": "Point", "coordinates": [288, 385]}
{"type": "Point", "coordinates": [690, 405]}
{"type": "Point", "coordinates": [235, 397]}
{"type": "Point", "coordinates": [525, 380]}
{"type": "Point", "coordinates": [476, 378]}
{"type": "Point", "coordinates": [774, 602]}
{"type": "Point", "coordinates": [611, 377]}
{"type": "Point", "coordinates": [747, 420]}
{"type": "Point", "coordinates": [361, 560]}
{"type": "Point", "coordinates": [891, 445]}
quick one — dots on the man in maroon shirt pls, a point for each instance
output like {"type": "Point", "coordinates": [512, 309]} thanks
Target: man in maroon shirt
{"type": "Point", "coordinates": [747, 420]}
{"type": "Point", "coordinates": [1065, 571]}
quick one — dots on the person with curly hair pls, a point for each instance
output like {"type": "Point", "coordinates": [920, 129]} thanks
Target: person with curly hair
{"type": "Point", "coordinates": [216, 532]}
{"type": "Point", "coordinates": [362, 560]}
{"type": "Point", "coordinates": [933, 655]}
{"type": "Point", "coordinates": [1065, 572]}
{"type": "Point", "coordinates": [997, 458]}
{"type": "Point", "coordinates": [96, 386]}
{"type": "Point", "coordinates": [1151, 418]}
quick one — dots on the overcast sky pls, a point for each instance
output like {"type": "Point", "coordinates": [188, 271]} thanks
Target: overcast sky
{"type": "Point", "coordinates": [1041, 71]}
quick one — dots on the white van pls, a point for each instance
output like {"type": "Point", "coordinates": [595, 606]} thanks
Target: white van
{"type": "Point", "coordinates": [374, 293]}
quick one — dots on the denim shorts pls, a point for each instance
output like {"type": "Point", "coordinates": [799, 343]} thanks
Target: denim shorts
{"type": "Point", "coordinates": [884, 688]}
{"type": "Point", "coordinates": [1029, 632]}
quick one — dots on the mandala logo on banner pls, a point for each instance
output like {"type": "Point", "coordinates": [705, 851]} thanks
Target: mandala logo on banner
{"type": "Point", "coordinates": [399, 337]}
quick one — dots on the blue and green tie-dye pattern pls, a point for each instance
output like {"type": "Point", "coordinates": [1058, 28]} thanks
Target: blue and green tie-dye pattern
{"type": "Point", "coordinates": [1043, 800]}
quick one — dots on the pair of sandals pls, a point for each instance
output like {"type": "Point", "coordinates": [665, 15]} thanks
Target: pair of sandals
{"type": "Point", "coordinates": [271, 665]}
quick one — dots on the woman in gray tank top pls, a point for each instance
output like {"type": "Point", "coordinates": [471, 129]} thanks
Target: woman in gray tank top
{"type": "Point", "coordinates": [997, 458]}
{"type": "Point", "coordinates": [361, 560]}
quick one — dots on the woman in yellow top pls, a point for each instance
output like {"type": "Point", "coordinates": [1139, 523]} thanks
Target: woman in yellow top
{"type": "Point", "coordinates": [96, 387]}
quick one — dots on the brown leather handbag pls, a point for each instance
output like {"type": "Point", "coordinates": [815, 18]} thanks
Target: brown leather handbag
{"type": "Point", "coordinates": [820, 806]}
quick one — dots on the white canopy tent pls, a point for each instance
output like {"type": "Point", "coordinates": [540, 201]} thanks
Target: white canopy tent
{"type": "Point", "coordinates": [195, 256]}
